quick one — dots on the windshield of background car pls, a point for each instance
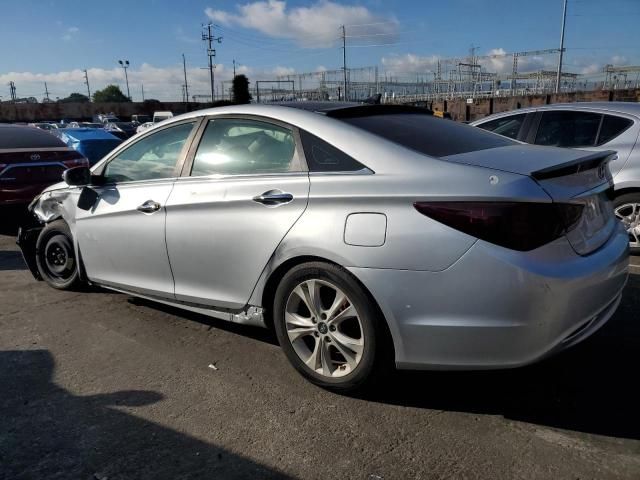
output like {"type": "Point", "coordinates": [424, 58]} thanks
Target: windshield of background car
{"type": "Point", "coordinates": [429, 135]}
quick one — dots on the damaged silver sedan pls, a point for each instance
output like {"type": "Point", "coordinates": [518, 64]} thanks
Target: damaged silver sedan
{"type": "Point", "coordinates": [366, 236]}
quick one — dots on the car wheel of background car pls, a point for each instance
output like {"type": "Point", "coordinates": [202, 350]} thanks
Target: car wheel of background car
{"type": "Point", "coordinates": [55, 256]}
{"type": "Point", "coordinates": [329, 328]}
{"type": "Point", "coordinates": [627, 209]}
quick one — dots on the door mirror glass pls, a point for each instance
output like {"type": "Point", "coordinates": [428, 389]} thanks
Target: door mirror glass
{"type": "Point", "coordinates": [77, 176]}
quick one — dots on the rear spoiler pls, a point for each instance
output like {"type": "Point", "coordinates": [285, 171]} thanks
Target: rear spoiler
{"type": "Point", "coordinates": [596, 160]}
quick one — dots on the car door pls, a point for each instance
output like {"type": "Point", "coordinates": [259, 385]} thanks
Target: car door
{"type": "Point", "coordinates": [120, 230]}
{"type": "Point", "coordinates": [587, 131]}
{"type": "Point", "coordinates": [243, 188]}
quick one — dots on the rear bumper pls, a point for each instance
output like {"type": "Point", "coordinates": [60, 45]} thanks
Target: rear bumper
{"type": "Point", "coordinates": [497, 308]}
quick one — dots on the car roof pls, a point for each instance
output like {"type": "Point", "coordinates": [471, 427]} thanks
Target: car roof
{"type": "Point", "coordinates": [629, 108]}
{"type": "Point", "coordinates": [80, 134]}
{"type": "Point", "coordinates": [22, 136]}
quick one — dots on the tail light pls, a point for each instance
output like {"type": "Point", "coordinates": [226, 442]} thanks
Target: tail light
{"type": "Point", "coordinates": [75, 159]}
{"type": "Point", "coordinates": [518, 226]}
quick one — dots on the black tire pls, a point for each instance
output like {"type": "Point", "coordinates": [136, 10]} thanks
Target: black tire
{"type": "Point", "coordinates": [376, 359]}
{"type": "Point", "coordinates": [628, 199]}
{"type": "Point", "coordinates": [55, 257]}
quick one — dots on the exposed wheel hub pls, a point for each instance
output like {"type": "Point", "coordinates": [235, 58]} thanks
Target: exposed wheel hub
{"type": "Point", "coordinates": [629, 215]}
{"type": "Point", "coordinates": [322, 328]}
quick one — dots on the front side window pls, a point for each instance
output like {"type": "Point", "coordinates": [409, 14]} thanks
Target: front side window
{"type": "Point", "coordinates": [153, 157]}
{"type": "Point", "coordinates": [507, 126]}
{"type": "Point", "coordinates": [245, 147]}
{"type": "Point", "coordinates": [568, 129]}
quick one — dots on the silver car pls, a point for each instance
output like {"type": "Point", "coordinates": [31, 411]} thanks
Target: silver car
{"type": "Point", "coordinates": [594, 126]}
{"type": "Point", "coordinates": [366, 236]}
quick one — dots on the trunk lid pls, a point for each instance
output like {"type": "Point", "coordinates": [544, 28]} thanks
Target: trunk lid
{"type": "Point", "coordinates": [568, 176]}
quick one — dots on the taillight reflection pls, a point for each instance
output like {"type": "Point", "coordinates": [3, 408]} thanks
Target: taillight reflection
{"type": "Point", "coordinates": [516, 225]}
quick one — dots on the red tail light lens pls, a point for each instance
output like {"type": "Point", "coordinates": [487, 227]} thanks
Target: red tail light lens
{"type": "Point", "coordinates": [75, 159]}
{"type": "Point", "coordinates": [518, 226]}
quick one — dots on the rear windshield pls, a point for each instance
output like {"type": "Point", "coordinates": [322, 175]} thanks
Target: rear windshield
{"type": "Point", "coordinates": [27, 137]}
{"type": "Point", "coordinates": [432, 136]}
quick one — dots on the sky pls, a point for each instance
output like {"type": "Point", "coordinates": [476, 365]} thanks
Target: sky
{"type": "Point", "coordinates": [54, 40]}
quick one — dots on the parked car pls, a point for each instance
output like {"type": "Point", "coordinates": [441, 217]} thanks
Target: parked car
{"type": "Point", "coordinates": [365, 235]}
{"type": "Point", "coordinates": [122, 130]}
{"type": "Point", "coordinates": [42, 126]}
{"type": "Point", "coordinates": [597, 126]}
{"type": "Point", "coordinates": [140, 119]}
{"type": "Point", "coordinates": [105, 118]}
{"type": "Point", "coordinates": [157, 117]}
{"type": "Point", "coordinates": [30, 160]}
{"type": "Point", "coordinates": [92, 143]}
{"type": "Point", "coordinates": [85, 125]}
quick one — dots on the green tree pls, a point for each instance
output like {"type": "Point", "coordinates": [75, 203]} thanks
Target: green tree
{"type": "Point", "coordinates": [75, 98]}
{"type": "Point", "coordinates": [110, 94]}
{"type": "Point", "coordinates": [240, 89]}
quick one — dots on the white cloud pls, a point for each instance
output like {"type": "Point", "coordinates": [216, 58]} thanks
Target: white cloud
{"type": "Point", "coordinates": [316, 26]}
{"type": "Point", "coordinates": [70, 32]}
{"type": "Point", "coordinates": [160, 83]}
{"type": "Point", "coordinates": [410, 63]}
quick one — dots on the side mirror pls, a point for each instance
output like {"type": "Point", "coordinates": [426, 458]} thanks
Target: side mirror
{"type": "Point", "coordinates": [77, 176]}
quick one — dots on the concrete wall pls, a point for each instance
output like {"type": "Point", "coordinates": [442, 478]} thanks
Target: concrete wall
{"type": "Point", "coordinates": [462, 111]}
{"type": "Point", "coordinates": [33, 112]}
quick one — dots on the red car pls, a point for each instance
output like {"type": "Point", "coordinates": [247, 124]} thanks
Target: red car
{"type": "Point", "coordinates": [30, 160]}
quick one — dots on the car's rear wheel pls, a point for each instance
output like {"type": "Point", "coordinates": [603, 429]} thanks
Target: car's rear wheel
{"type": "Point", "coordinates": [627, 209]}
{"type": "Point", "coordinates": [329, 328]}
{"type": "Point", "coordinates": [55, 256]}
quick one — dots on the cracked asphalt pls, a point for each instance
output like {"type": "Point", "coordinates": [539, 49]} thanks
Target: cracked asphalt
{"type": "Point", "coordinates": [99, 385]}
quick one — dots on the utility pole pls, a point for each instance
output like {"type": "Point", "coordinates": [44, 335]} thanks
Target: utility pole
{"type": "Point", "coordinates": [186, 85]}
{"type": "Point", "coordinates": [142, 85]}
{"type": "Point", "coordinates": [234, 68]}
{"type": "Point", "coordinates": [125, 64]}
{"type": "Point", "coordinates": [211, 53]}
{"type": "Point", "coordinates": [344, 61]}
{"type": "Point", "coordinates": [12, 90]}
{"type": "Point", "coordinates": [564, 21]}
{"type": "Point", "coordinates": [46, 91]}
{"type": "Point", "coordinates": [86, 81]}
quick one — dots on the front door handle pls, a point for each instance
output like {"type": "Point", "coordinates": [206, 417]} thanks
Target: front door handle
{"type": "Point", "coordinates": [149, 207]}
{"type": "Point", "coordinates": [273, 198]}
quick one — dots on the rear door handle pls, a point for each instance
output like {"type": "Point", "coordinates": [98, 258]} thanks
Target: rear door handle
{"type": "Point", "coordinates": [149, 207]}
{"type": "Point", "coordinates": [273, 198]}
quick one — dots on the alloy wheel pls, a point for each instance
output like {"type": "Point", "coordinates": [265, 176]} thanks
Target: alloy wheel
{"type": "Point", "coordinates": [324, 328]}
{"type": "Point", "coordinates": [629, 215]}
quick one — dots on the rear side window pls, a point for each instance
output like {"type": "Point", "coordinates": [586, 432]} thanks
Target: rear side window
{"type": "Point", "coordinates": [508, 126]}
{"type": "Point", "coordinates": [323, 157]}
{"type": "Point", "coordinates": [612, 126]}
{"type": "Point", "coordinates": [568, 129]}
{"type": "Point", "coordinates": [429, 135]}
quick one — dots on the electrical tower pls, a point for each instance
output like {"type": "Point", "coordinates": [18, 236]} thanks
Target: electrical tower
{"type": "Point", "coordinates": [86, 82]}
{"type": "Point", "coordinates": [12, 91]}
{"type": "Point", "coordinates": [208, 36]}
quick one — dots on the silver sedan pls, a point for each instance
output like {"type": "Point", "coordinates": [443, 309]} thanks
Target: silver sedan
{"type": "Point", "coordinates": [367, 236]}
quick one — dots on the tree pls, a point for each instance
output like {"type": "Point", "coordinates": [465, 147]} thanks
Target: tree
{"type": "Point", "coordinates": [240, 89]}
{"type": "Point", "coordinates": [110, 94]}
{"type": "Point", "coordinates": [75, 98]}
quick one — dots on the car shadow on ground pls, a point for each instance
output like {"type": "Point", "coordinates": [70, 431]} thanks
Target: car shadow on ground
{"type": "Point", "coordinates": [48, 432]}
{"type": "Point", "coordinates": [11, 260]}
{"type": "Point", "coordinates": [11, 217]}
{"type": "Point", "coordinates": [591, 388]}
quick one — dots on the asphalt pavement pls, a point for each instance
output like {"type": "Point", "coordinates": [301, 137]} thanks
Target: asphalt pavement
{"type": "Point", "coordinates": [99, 385]}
